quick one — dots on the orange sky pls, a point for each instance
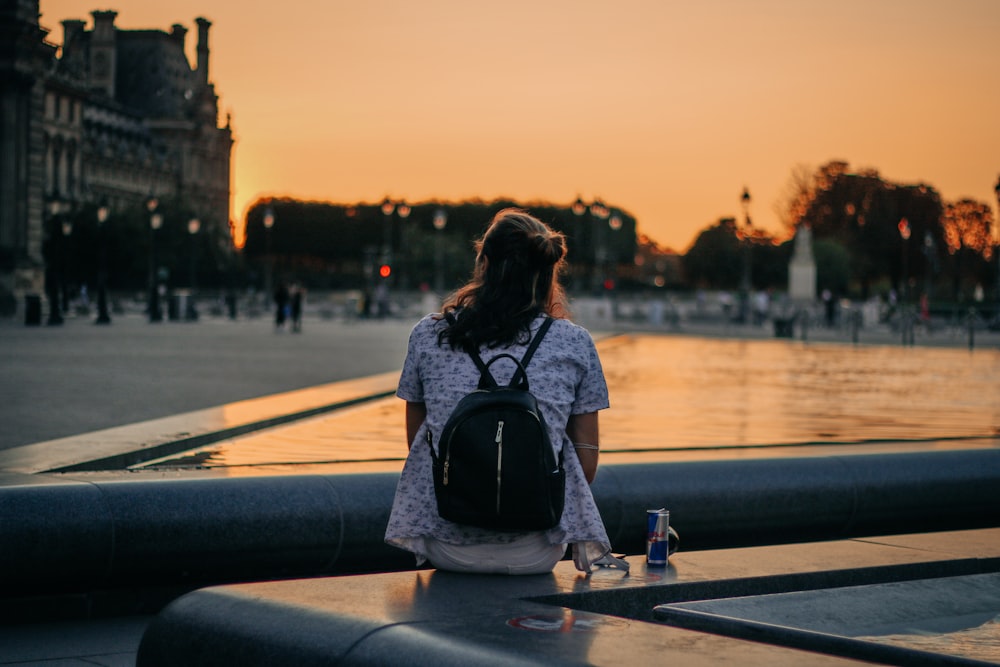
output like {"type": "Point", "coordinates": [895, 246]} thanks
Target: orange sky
{"type": "Point", "coordinates": [665, 108]}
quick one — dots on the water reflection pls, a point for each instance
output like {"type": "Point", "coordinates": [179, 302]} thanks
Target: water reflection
{"type": "Point", "coordinates": [687, 392]}
{"type": "Point", "coordinates": [676, 393]}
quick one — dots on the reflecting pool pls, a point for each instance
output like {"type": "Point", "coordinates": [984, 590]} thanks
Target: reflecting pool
{"type": "Point", "coordinates": [684, 396]}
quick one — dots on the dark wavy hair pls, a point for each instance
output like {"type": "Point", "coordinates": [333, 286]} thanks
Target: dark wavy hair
{"type": "Point", "coordinates": [516, 277]}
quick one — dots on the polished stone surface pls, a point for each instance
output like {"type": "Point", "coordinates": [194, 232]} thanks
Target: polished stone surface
{"type": "Point", "coordinates": [430, 617]}
{"type": "Point", "coordinates": [912, 622]}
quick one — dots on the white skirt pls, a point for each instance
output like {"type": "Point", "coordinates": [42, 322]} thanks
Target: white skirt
{"type": "Point", "coordinates": [531, 554]}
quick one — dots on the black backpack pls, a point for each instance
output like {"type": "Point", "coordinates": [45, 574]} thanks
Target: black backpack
{"type": "Point", "coordinates": [495, 467]}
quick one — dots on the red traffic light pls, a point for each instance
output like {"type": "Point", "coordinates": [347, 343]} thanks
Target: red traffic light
{"type": "Point", "coordinates": [904, 228]}
{"type": "Point", "coordinates": [385, 270]}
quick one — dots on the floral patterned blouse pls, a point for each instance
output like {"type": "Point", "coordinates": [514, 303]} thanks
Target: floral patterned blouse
{"type": "Point", "coordinates": [566, 377]}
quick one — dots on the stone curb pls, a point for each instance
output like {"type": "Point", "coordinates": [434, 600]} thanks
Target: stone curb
{"type": "Point", "coordinates": [76, 534]}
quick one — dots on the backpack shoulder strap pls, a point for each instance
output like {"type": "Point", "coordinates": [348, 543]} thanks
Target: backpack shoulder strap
{"type": "Point", "coordinates": [486, 380]}
{"type": "Point", "coordinates": [521, 375]}
{"type": "Point", "coordinates": [530, 352]}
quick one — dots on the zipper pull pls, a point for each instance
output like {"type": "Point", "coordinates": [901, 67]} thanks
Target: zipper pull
{"type": "Point", "coordinates": [445, 479]}
{"type": "Point", "coordinates": [499, 437]}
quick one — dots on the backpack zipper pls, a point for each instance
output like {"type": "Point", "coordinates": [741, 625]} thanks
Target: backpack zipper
{"type": "Point", "coordinates": [499, 441]}
{"type": "Point", "coordinates": [447, 458]}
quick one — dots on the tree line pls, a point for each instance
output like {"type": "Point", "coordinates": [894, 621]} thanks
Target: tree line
{"type": "Point", "coordinates": [337, 246]}
{"type": "Point", "coordinates": [870, 236]}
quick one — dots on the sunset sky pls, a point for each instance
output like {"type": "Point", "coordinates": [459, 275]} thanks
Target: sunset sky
{"type": "Point", "coordinates": [665, 108]}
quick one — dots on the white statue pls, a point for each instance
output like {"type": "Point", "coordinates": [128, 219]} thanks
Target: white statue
{"type": "Point", "coordinates": [802, 268]}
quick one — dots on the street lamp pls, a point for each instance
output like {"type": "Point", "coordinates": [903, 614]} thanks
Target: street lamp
{"type": "Point", "coordinates": [579, 209]}
{"type": "Point", "coordinates": [996, 248]}
{"type": "Point", "coordinates": [387, 209]}
{"type": "Point", "coordinates": [599, 213]}
{"type": "Point", "coordinates": [746, 282]}
{"type": "Point", "coordinates": [103, 211]}
{"type": "Point", "coordinates": [194, 224]}
{"type": "Point", "coordinates": [155, 222]}
{"type": "Point", "coordinates": [64, 256]}
{"type": "Point", "coordinates": [906, 321]}
{"type": "Point", "coordinates": [615, 224]}
{"type": "Point", "coordinates": [403, 210]}
{"type": "Point", "coordinates": [904, 234]}
{"type": "Point", "coordinates": [930, 255]}
{"type": "Point", "coordinates": [54, 266]}
{"type": "Point", "coordinates": [440, 221]}
{"type": "Point", "coordinates": [269, 273]}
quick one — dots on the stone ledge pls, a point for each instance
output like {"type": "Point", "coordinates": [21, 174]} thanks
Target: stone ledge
{"type": "Point", "coordinates": [118, 448]}
{"type": "Point", "coordinates": [430, 617]}
{"type": "Point", "coordinates": [75, 535]}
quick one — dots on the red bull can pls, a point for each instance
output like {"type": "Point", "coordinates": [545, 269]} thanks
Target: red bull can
{"type": "Point", "coordinates": [657, 536]}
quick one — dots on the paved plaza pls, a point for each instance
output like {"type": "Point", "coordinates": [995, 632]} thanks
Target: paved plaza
{"type": "Point", "coordinates": [79, 377]}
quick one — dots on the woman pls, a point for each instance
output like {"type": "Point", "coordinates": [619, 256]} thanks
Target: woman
{"type": "Point", "coordinates": [514, 286]}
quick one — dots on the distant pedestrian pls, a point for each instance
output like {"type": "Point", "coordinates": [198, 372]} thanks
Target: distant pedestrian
{"type": "Point", "coordinates": [281, 298]}
{"type": "Point", "coordinates": [382, 300]}
{"type": "Point", "coordinates": [829, 310]}
{"type": "Point", "coordinates": [761, 307]}
{"type": "Point", "coordinates": [726, 303]}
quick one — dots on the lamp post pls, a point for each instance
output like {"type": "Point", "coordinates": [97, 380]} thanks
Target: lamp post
{"type": "Point", "coordinates": [906, 321]}
{"type": "Point", "coordinates": [155, 222]}
{"type": "Point", "coordinates": [194, 224]}
{"type": "Point", "coordinates": [403, 210]}
{"type": "Point", "coordinates": [746, 282]}
{"type": "Point", "coordinates": [904, 234]}
{"type": "Point", "coordinates": [440, 221]}
{"type": "Point", "coordinates": [103, 317]}
{"type": "Point", "coordinates": [269, 272]}
{"type": "Point", "coordinates": [386, 255]}
{"type": "Point", "coordinates": [615, 225]}
{"type": "Point", "coordinates": [599, 213]}
{"type": "Point", "coordinates": [54, 261]}
{"type": "Point", "coordinates": [64, 255]}
{"type": "Point", "coordinates": [388, 207]}
{"type": "Point", "coordinates": [579, 209]}
{"type": "Point", "coordinates": [930, 255]}
{"type": "Point", "coordinates": [996, 248]}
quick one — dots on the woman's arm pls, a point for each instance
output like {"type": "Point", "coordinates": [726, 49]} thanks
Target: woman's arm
{"type": "Point", "coordinates": [415, 415]}
{"type": "Point", "coordinates": [583, 432]}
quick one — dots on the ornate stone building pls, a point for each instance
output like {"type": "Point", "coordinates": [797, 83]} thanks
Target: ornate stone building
{"type": "Point", "coordinates": [112, 116]}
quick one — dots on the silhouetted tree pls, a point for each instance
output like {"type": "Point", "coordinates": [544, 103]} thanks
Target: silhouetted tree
{"type": "Point", "coordinates": [833, 266]}
{"type": "Point", "coordinates": [863, 213]}
{"type": "Point", "coordinates": [967, 236]}
{"type": "Point", "coordinates": [714, 259]}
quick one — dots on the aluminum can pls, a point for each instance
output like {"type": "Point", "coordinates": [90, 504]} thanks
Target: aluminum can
{"type": "Point", "coordinates": [657, 536]}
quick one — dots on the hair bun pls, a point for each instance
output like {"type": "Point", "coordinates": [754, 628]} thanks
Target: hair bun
{"type": "Point", "coordinates": [548, 248]}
